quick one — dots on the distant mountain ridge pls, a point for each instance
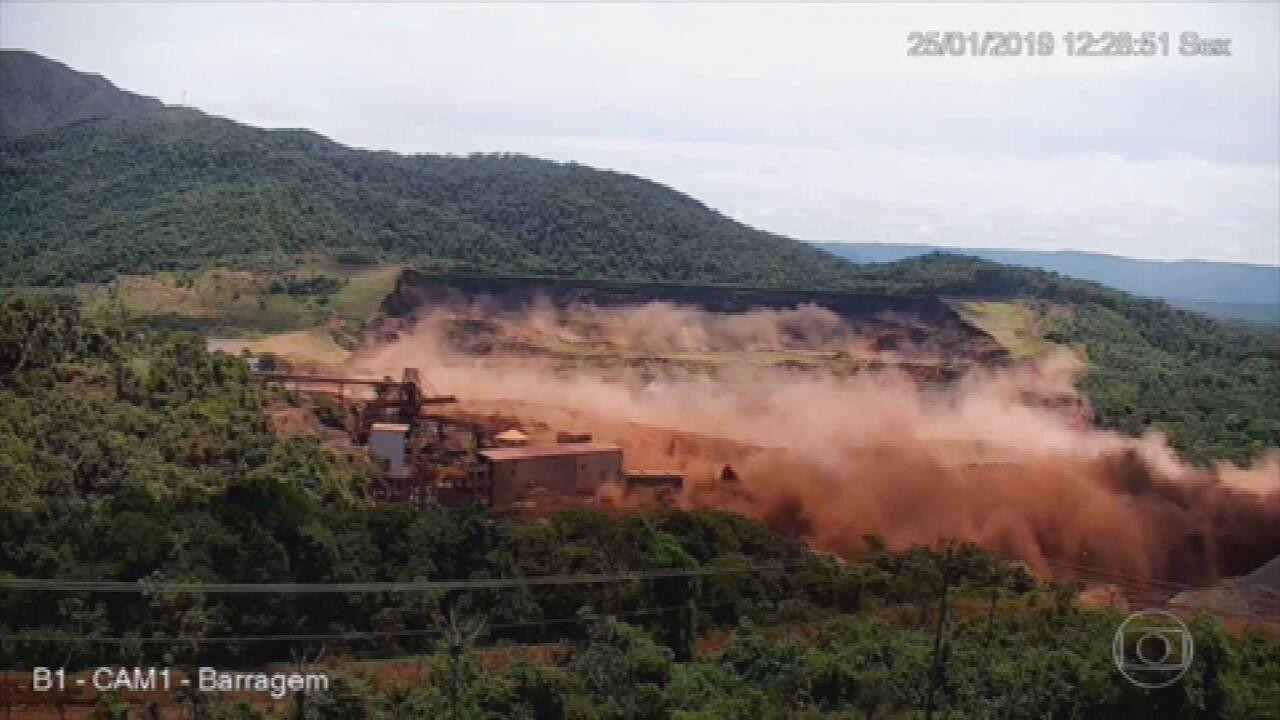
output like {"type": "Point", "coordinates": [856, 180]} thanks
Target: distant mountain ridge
{"type": "Point", "coordinates": [1219, 282]}
{"type": "Point", "coordinates": [38, 94]}
{"type": "Point", "coordinates": [1231, 290]}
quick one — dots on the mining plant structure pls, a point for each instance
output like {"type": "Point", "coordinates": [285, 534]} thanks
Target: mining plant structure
{"type": "Point", "coordinates": [429, 451]}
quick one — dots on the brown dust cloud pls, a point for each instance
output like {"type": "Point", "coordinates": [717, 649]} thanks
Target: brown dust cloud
{"type": "Point", "coordinates": [833, 457]}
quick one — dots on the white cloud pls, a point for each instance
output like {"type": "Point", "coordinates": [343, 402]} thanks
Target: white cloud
{"type": "Point", "coordinates": [873, 193]}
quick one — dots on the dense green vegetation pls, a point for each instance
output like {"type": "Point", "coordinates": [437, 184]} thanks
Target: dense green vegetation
{"type": "Point", "coordinates": [179, 190]}
{"type": "Point", "coordinates": [137, 456]}
{"type": "Point", "coordinates": [1213, 387]}
{"type": "Point", "coordinates": [1042, 661]}
{"type": "Point", "coordinates": [87, 408]}
{"type": "Point", "coordinates": [130, 453]}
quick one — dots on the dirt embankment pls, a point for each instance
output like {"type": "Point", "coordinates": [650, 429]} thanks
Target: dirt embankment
{"type": "Point", "coordinates": [996, 455]}
{"type": "Point", "coordinates": [925, 330]}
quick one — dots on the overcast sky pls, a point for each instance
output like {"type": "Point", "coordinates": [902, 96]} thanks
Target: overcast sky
{"type": "Point", "coordinates": [806, 120]}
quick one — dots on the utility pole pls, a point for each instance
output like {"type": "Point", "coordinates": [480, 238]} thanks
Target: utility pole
{"type": "Point", "coordinates": [997, 583]}
{"type": "Point", "coordinates": [937, 668]}
{"type": "Point", "coordinates": [460, 635]}
{"type": "Point", "coordinates": [304, 659]}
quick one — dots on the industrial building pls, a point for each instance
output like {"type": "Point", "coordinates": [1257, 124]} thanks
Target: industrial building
{"type": "Point", "coordinates": [568, 469]}
{"type": "Point", "coordinates": [437, 457]}
{"type": "Point", "coordinates": [388, 444]}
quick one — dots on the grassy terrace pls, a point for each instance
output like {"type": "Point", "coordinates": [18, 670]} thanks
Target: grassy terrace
{"type": "Point", "coordinates": [1013, 324]}
{"type": "Point", "coordinates": [238, 301]}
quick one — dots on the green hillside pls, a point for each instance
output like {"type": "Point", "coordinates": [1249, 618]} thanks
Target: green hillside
{"type": "Point", "coordinates": [177, 191]}
{"type": "Point", "coordinates": [129, 452]}
{"type": "Point", "coordinates": [1197, 282]}
{"type": "Point", "coordinates": [135, 455]}
{"type": "Point", "coordinates": [181, 188]}
{"type": "Point", "coordinates": [1212, 387]}
{"type": "Point", "coordinates": [38, 94]}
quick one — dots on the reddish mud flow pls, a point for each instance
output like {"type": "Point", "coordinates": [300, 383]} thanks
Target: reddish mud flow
{"type": "Point", "coordinates": [833, 459]}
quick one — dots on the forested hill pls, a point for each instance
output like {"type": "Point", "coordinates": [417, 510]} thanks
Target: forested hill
{"type": "Point", "coordinates": [37, 94]}
{"type": "Point", "coordinates": [180, 188]}
{"type": "Point", "coordinates": [1212, 387]}
{"type": "Point", "coordinates": [1200, 280]}
{"type": "Point", "coordinates": [1234, 291]}
{"type": "Point", "coordinates": [177, 188]}
{"type": "Point", "coordinates": [138, 457]}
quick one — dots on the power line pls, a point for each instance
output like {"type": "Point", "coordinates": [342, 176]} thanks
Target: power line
{"type": "Point", "coordinates": [1093, 572]}
{"type": "Point", "coordinates": [351, 636]}
{"type": "Point", "coordinates": [153, 586]}
{"type": "Point", "coordinates": [1258, 602]}
{"type": "Point", "coordinates": [347, 636]}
